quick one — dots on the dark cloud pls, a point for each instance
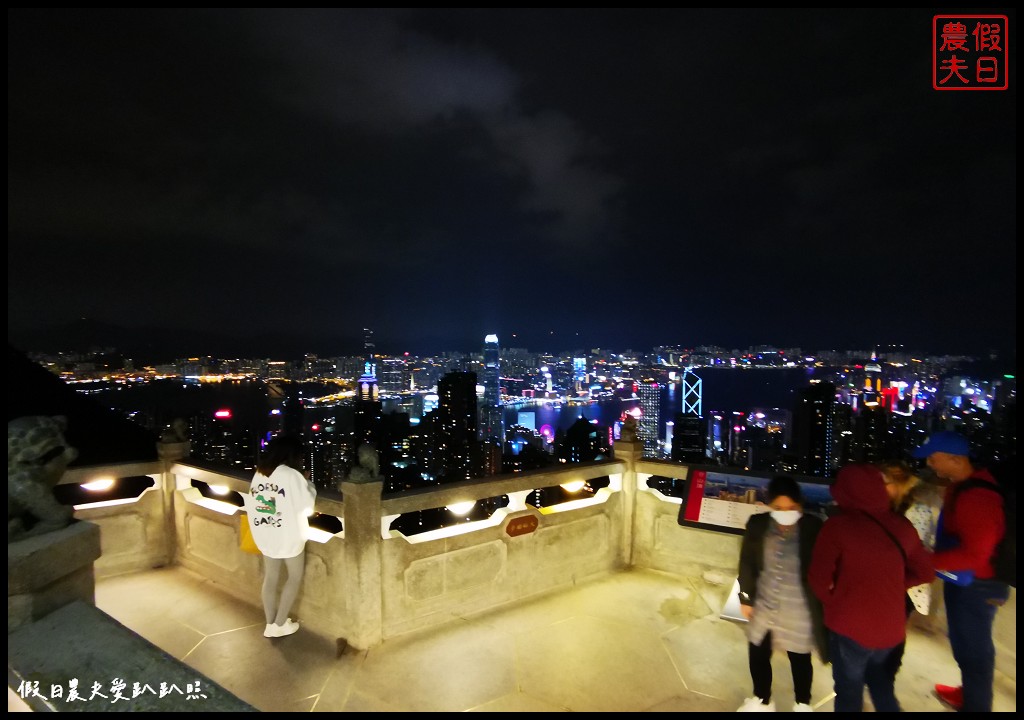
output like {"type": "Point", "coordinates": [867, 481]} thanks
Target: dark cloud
{"type": "Point", "coordinates": [646, 176]}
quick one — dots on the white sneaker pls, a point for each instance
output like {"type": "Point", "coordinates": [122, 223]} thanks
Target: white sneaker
{"type": "Point", "coordinates": [802, 707]}
{"type": "Point", "coordinates": [754, 704]}
{"type": "Point", "coordinates": [274, 631]}
{"type": "Point", "coordinates": [289, 627]}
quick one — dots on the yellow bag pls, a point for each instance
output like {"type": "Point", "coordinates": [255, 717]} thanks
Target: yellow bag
{"type": "Point", "coordinates": [245, 541]}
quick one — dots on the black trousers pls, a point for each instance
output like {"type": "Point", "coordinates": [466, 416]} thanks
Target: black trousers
{"type": "Point", "coordinates": [761, 671]}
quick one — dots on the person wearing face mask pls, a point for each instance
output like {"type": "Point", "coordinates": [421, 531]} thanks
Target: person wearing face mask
{"type": "Point", "coordinates": [782, 611]}
{"type": "Point", "coordinates": [865, 559]}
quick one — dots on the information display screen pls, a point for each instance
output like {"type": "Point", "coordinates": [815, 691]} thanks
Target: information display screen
{"type": "Point", "coordinates": [720, 498]}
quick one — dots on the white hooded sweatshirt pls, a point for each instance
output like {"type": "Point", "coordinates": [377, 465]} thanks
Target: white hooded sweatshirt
{"type": "Point", "coordinates": [279, 507]}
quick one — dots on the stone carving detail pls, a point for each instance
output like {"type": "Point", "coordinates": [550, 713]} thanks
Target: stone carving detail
{"type": "Point", "coordinates": [368, 469]}
{"type": "Point", "coordinates": [37, 456]}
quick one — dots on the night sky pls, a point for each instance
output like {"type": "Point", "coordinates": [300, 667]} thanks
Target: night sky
{"type": "Point", "coordinates": [274, 181]}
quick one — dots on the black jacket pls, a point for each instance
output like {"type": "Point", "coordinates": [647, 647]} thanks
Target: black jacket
{"type": "Point", "coordinates": [752, 562]}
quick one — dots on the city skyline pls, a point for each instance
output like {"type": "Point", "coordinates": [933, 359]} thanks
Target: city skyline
{"type": "Point", "coordinates": [580, 177]}
{"type": "Point", "coordinates": [668, 355]}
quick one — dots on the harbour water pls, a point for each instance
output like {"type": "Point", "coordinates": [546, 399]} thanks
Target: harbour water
{"type": "Point", "coordinates": [156, 404]}
{"type": "Point", "coordinates": [723, 389]}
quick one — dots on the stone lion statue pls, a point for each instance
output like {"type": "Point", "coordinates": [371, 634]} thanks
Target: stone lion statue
{"type": "Point", "coordinates": [37, 456]}
{"type": "Point", "coordinates": [369, 459]}
{"type": "Point", "coordinates": [629, 432]}
{"type": "Point", "coordinates": [368, 467]}
{"type": "Point", "coordinates": [176, 432]}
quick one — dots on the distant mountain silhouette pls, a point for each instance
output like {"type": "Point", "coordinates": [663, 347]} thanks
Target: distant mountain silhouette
{"type": "Point", "coordinates": [100, 435]}
{"type": "Point", "coordinates": [150, 345]}
{"type": "Point", "coordinates": [84, 335]}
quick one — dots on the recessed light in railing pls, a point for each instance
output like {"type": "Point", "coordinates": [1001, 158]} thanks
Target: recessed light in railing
{"type": "Point", "coordinates": [220, 489]}
{"type": "Point", "coordinates": [574, 486]}
{"type": "Point", "coordinates": [461, 508]}
{"type": "Point", "coordinates": [98, 485]}
{"type": "Point", "coordinates": [102, 491]}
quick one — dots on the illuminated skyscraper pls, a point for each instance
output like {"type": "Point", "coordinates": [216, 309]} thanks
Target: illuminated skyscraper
{"type": "Point", "coordinates": [368, 408]}
{"type": "Point", "coordinates": [492, 427]}
{"type": "Point", "coordinates": [430, 402]}
{"type": "Point", "coordinates": [650, 420]}
{"type": "Point", "coordinates": [394, 376]}
{"type": "Point", "coordinates": [692, 387]}
{"type": "Point", "coordinates": [492, 361]}
{"type": "Point", "coordinates": [579, 373]}
{"type": "Point", "coordinates": [370, 353]}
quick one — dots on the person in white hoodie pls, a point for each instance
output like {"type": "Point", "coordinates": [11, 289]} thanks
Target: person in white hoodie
{"type": "Point", "coordinates": [279, 504]}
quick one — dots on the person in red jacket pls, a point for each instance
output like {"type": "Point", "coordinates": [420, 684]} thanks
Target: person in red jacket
{"type": "Point", "coordinates": [970, 527]}
{"type": "Point", "coordinates": [865, 558]}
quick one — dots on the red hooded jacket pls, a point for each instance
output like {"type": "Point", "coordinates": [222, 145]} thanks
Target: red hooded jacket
{"type": "Point", "coordinates": [857, 571]}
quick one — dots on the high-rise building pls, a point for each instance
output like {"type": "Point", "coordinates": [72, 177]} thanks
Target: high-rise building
{"type": "Point", "coordinates": [492, 425]}
{"type": "Point", "coordinates": [584, 441]}
{"type": "Point", "coordinates": [739, 451]}
{"type": "Point", "coordinates": [692, 387]}
{"type": "Point", "coordinates": [871, 434]}
{"type": "Point", "coordinates": [350, 367]}
{"type": "Point", "coordinates": [518, 363]}
{"type": "Point", "coordinates": [689, 439]}
{"type": "Point", "coordinates": [726, 437]}
{"type": "Point", "coordinates": [814, 438]}
{"type": "Point", "coordinates": [394, 376]}
{"type": "Point", "coordinates": [368, 409]}
{"type": "Point", "coordinates": [223, 439]}
{"type": "Point", "coordinates": [277, 369]}
{"type": "Point", "coordinates": [492, 361]}
{"type": "Point", "coordinates": [650, 419]}
{"type": "Point", "coordinates": [767, 438]}
{"type": "Point", "coordinates": [369, 353]}
{"type": "Point", "coordinates": [317, 367]}
{"type": "Point", "coordinates": [579, 373]}
{"type": "Point", "coordinates": [456, 426]}
{"type": "Point", "coordinates": [326, 456]}
{"type": "Point", "coordinates": [430, 402]}
{"type": "Point", "coordinates": [1004, 420]}
{"type": "Point", "coordinates": [394, 445]}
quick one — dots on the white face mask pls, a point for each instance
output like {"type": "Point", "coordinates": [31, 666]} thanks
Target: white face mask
{"type": "Point", "coordinates": [786, 517]}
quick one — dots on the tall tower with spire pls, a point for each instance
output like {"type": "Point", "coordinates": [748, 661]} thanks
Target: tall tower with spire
{"type": "Point", "coordinates": [368, 407]}
{"type": "Point", "coordinates": [369, 353]}
{"type": "Point", "coordinates": [492, 425]}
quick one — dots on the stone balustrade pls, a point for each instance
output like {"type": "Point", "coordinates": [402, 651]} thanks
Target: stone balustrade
{"type": "Point", "coordinates": [368, 583]}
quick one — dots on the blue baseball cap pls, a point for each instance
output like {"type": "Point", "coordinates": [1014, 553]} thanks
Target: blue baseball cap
{"type": "Point", "coordinates": [944, 442]}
